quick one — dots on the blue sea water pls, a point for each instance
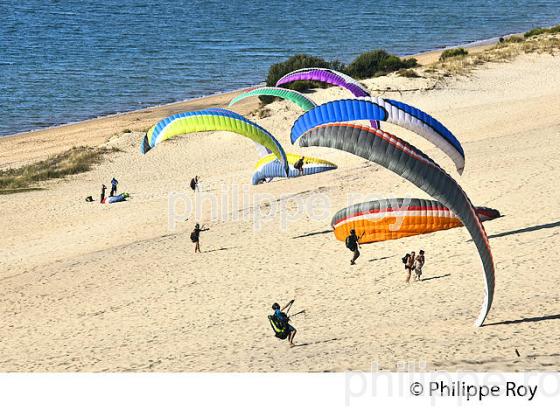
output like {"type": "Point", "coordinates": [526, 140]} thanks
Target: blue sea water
{"type": "Point", "coordinates": [67, 60]}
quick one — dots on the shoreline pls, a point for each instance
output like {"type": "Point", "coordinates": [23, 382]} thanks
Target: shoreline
{"type": "Point", "coordinates": [98, 130]}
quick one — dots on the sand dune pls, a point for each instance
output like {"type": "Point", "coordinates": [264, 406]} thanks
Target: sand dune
{"type": "Point", "coordinates": [87, 287]}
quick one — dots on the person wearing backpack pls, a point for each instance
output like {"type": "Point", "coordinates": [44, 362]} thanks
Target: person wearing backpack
{"type": "Point", "coordinates": [353, 243]}
{"type": "Point", "coordinates": [195, 237]}
{"type": "Point", "coordinates": [280, 323]}
{"type": "Point", "coordinates": [194, 184]}
{"type": "Point", "coordinates": [409, 265]}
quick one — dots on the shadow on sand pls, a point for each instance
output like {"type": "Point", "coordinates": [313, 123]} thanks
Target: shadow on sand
{"type": "Point", "coordinates": [316, 343]}
{"type": "Point", "coordinates": [382, 258]}
{"type": "Point", "coordinates": [525, 230]}
{"type": "Point", "coordinates": [221, 249]}
{"type": "Point", "coordinates": [436, 277]}
{"type": "Point", "coordinates": [525, 320]}
{"type": "Point", "coordinates": [312, 234]}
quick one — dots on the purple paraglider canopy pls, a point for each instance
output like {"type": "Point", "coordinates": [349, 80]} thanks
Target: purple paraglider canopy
{"type": "Point", "coordinates": [327, 76]}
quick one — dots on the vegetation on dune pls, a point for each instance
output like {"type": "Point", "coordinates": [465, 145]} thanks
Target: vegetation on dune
{"type": "Point", "coordinates": [377, 63]}
{"type": "Point", "coordinates": [538, 41]}
{"type": "Point", "coordinates": [452, 62]}
{"type": "Point", "coordinates": [369, 64]}
{"type": "Point", "coordinates": [408, 73]}
{"type": "Point", "coordinates": [452, 53]}
{"type": "Point", "coordinates": [297, 62]}
{"type": "Point", "coordinates": [73, 161]}
{"type": "Point", "coordinates": [535, 32]}
{"type": "Point", "coordinates": [511, 39]}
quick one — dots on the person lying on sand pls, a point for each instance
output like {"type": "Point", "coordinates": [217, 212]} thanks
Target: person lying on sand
{"type": "Point", "coordinates": [195, 236]}
{"type": "Point", "coordinates": [299, 165]}
{"type": "Point", "coordinates": [283, 319]}
{"type": "Point", "coordinates": [409, 265]}
{"type": "Point", "coordinates": [353, 243]}
{"type": "Point", "coordinates": [418, 264]}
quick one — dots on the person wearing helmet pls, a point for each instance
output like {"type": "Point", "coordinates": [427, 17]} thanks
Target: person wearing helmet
{"type": "Point", "coordinates": [283, 319]}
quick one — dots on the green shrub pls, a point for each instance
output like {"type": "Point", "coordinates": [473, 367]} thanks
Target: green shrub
{"type": "Point", "coordinates": [554, 29]}
{"type": "Point", "coordinates": [366, 65]}
{"type": "Point", "coordinates": [453, 52]}
{"type": "Point", "coordinates": [376, 63]}
{"type": "Point", "coordinates": [297, 62]}
{"type": "Point", "coordinates": [535, 32]}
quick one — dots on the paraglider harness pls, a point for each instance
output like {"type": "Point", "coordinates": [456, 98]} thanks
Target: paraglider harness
{"type": "Point", "coordinates": [280, 324]}
{"type": "Point", "coordinates": [405, 258]}
{"type": "Point", "coordinates": [353, 245]}
{"type": "Point", "coordinates": [195, 234]}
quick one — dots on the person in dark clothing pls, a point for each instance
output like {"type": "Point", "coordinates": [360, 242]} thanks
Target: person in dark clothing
{"type": "Point", "coordinates": [114, 184]}
{"type": "Point", "coordinates": [194, 183]}
{"type": "Point", "coordinates": [195, 237]}
{"type": "Point", "coordinates": [352, 243]}
{"type": "Point", "coordinates": [299, 165]}
{"type": "Point", "coordinates": [283, 318]}
{"type": "Point", "coordinates": [103, 190]}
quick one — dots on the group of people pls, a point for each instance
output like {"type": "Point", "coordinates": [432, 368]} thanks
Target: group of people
{"type": "Point", "coordinates": [414, 263]}
{"type": "Point", "coordinates": [195, 234]}
{"type": "Point", "coordinates": [114, 186]}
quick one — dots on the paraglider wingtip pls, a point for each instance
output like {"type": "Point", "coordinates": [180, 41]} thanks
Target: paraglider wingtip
{"type": "Point", "coordinates": [145, 145]}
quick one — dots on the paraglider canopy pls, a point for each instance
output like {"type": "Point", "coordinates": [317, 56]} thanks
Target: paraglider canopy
{"type": "Point", "coordinates": [213, 119]}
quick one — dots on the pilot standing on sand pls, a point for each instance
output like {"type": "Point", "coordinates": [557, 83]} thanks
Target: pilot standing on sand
{"type": "Point", "coordinates": [114, 184]}
{"type": "Point", "coordinates": [103, 190]}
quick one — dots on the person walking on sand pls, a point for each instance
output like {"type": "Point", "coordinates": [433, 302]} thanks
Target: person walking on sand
{"type": "Point", "coordinates": [353, 243]}
{"type": "Point", "coordinates": [299, 165]}
{"type": "Point", "coordinates": [195, 237]}
{"type": "Point", "coordinates": [409, 265]}
{"type": "Point", "coordinates": [194, 184]}
{"type": "Point", "coordinates": [282, 319]}
{"type": "Point", "coordinates": [114, 184]}
{"type": "Point", "coordinates": [103, 190]}
{"type": "Point", "coordinates": [418, 264]}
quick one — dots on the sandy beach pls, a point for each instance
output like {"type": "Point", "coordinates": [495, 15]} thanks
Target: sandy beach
{"type": "Point", "coordinates": [94, 288]}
